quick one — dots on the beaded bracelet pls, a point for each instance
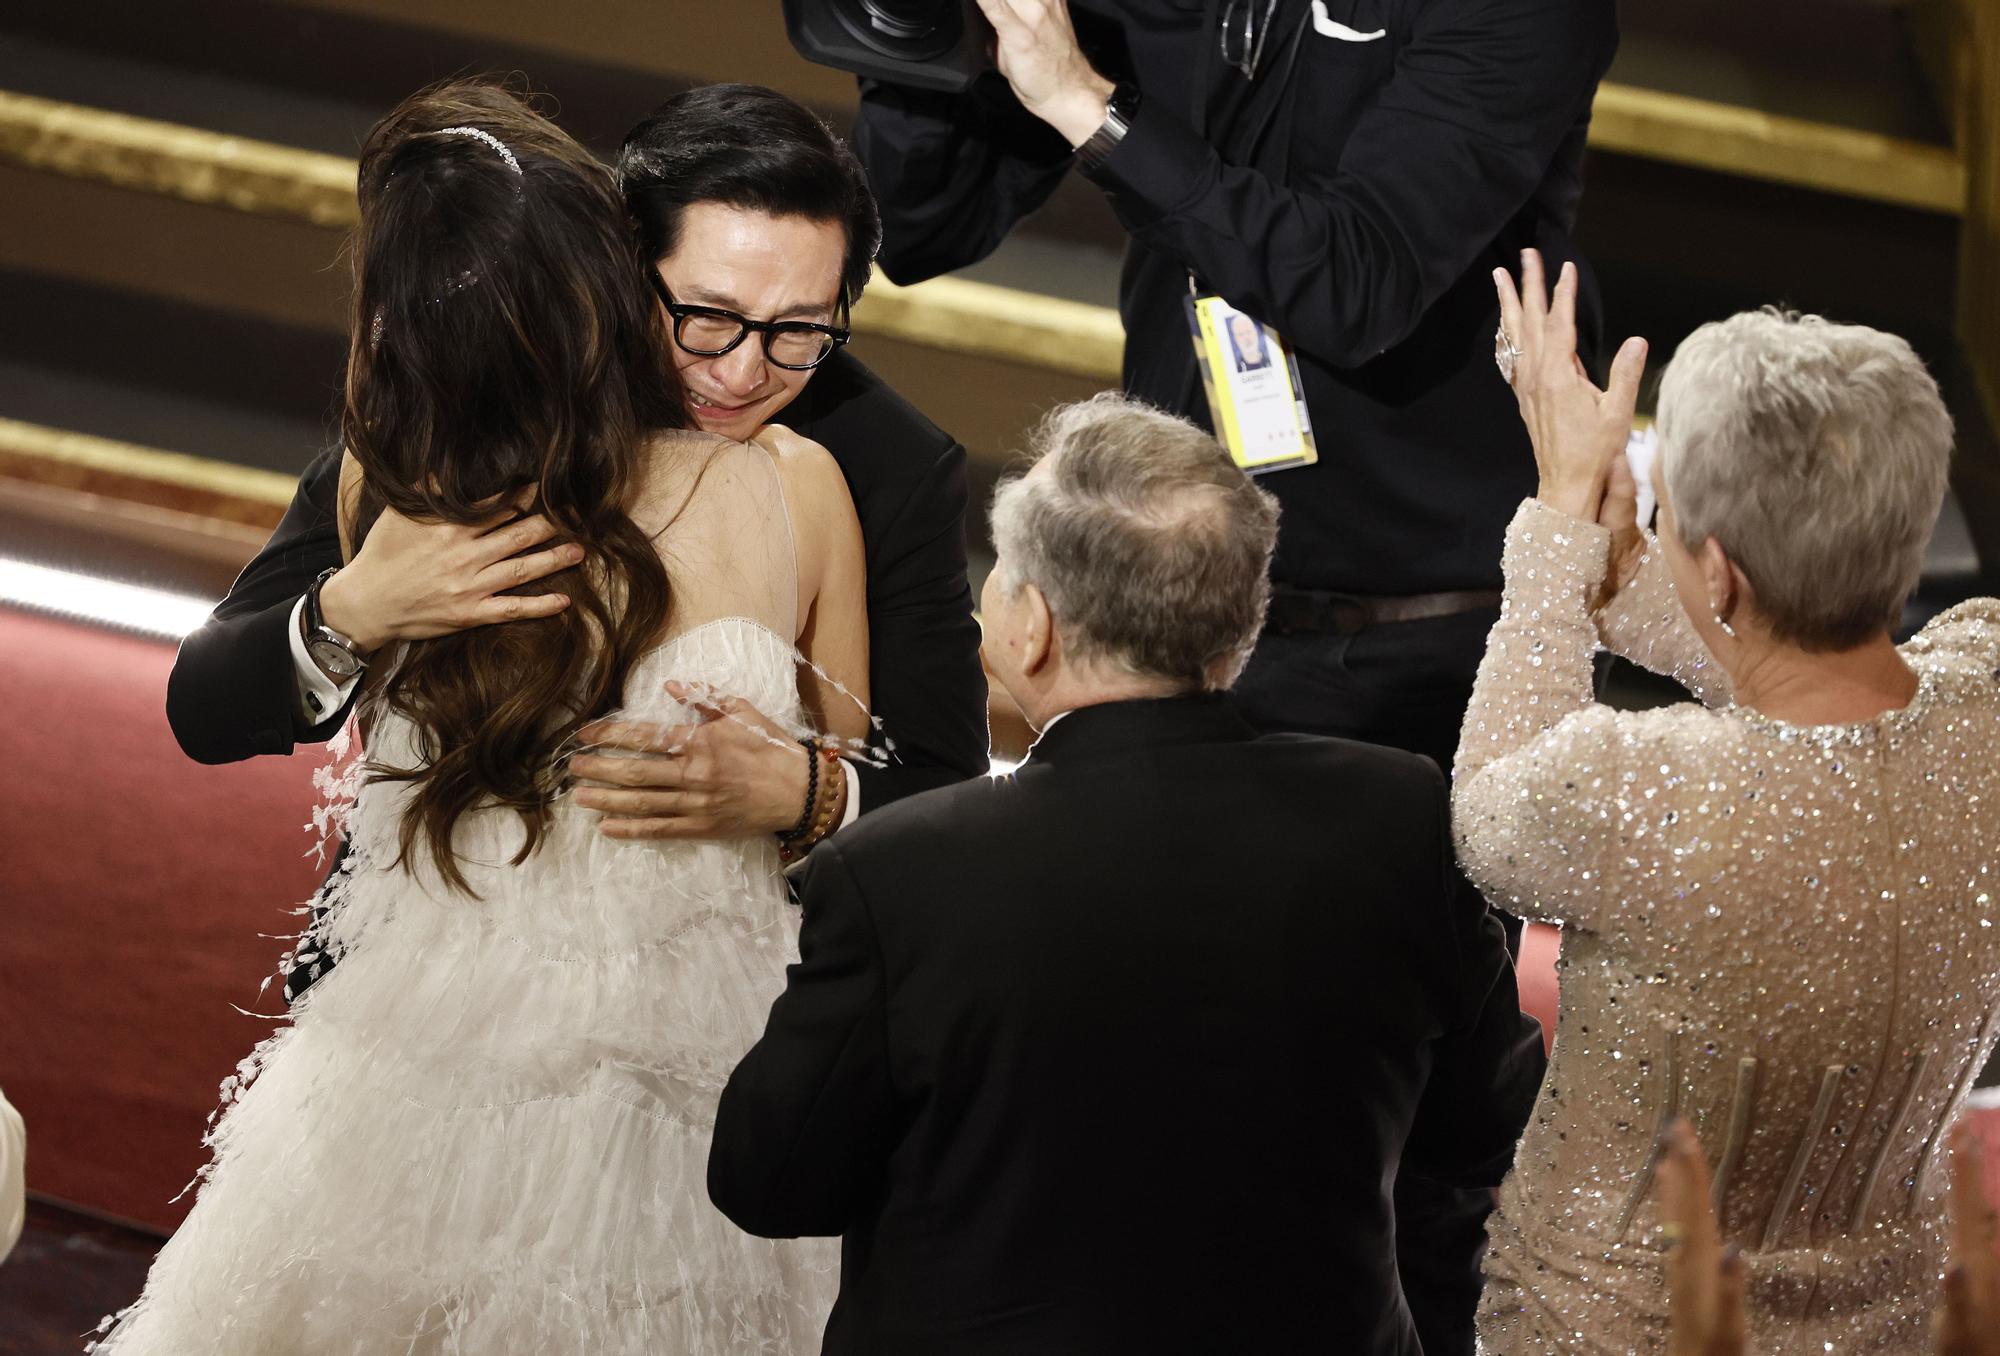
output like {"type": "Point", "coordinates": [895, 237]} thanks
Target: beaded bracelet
{"type": "Point", "coordinates": [809, 813]}
{"type": "Point", "coordinates": [828, 810]}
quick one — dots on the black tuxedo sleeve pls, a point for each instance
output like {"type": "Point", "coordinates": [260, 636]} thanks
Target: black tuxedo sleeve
{"type": "Point", "coordinates": [953, 173]}
{"type": "Point", "coordinates": [232, 692]}
{"type": "Point", "coordinates": [1484, 95]}
{"type": "Point", "coordinates": [806, 1124]}
{"type": "Point", "coordinates": [1487, 1066]}
{"type": "Point", "coordinates": [924, 645]}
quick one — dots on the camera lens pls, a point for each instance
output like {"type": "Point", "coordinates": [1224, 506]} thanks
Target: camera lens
{"type": "Point", "coordinates": [907, 30]}
{"type": "Point", "coordinates": [903, 18]}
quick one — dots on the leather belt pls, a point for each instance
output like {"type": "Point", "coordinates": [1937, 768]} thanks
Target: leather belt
{"type": "Point", "coordinates": [1310, 612]}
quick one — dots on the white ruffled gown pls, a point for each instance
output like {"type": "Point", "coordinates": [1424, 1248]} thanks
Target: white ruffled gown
{"type": "Point", "coordinates": [486, 1129]}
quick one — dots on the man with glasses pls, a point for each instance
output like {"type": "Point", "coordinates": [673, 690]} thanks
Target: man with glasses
{"type": "Point", "coordinates": [762, 230]}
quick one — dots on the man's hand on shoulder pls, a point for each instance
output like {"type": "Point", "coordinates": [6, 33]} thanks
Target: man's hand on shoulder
{"type": "Point", "coordinates": [413, 580]}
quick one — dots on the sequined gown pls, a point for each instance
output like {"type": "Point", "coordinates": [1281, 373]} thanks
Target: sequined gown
{"type": "Point", "coordinates": [1788, 935]}
{"type": "Point", "coordinates": [485, 1131]}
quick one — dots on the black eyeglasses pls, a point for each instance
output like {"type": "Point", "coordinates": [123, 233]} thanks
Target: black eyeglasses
{"type": "Point", "coordinates": [710, 332]}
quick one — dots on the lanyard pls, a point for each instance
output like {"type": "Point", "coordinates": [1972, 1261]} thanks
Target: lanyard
{"type": "Point", "coordinates": [1198, 100]}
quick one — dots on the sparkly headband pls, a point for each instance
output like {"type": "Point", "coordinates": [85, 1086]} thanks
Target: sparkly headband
{"type": "Point", "coordinates": [499, 146]}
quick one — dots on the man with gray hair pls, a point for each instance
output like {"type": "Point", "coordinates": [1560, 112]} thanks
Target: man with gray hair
{"type": "Point", "coordinates": [1124, 1052]}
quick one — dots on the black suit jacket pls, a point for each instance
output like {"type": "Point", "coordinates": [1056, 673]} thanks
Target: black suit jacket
{"type": "Point", "coordinates": [1357, 196]}
{"type": "Point", "coordinates": [231, 693]}
{"type": "Point", "coordinates": [1123, 1053]}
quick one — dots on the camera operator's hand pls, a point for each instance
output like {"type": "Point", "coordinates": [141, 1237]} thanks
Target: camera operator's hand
{"type": "Point", "coordinates": [413, 580]}
{"type": "Point", "coordinates": [1035, 48]}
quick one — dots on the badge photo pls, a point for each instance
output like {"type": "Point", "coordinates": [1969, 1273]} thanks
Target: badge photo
{"type": "Point", "coordinates": [1252, 380]}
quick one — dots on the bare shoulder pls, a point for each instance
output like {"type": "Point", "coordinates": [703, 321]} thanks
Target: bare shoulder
{"type": "Point", "coordinates": [796, 454]}
{"type": "Point", "coordinates": [814, 482]}
{"type": "Point", "coordinates": [675, 464]}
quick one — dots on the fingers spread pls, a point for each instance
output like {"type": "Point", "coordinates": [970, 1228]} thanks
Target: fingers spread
{"type": "Point", "coordinates": [513, 537]}
{"type": "Point", "coordinates": [515, 571]}
{"type": "Point", "coordinates": [512, 607]}
{"type": "Point", "coordinates": [1001, 15]}
{"type": "Point", "coordinates": [516, 607]}
{"type": "Point", "coordinates": [706, 699]}
{"type": "Point", "coordinates": [654, 771]}
{"type": "Point", "coordinates": [641, 736]}
{"type": "Point", "coordinates": [1534, 301]}
{"type": "Point", "coordinates": [1510, 304]}
{"type": "Point", "coordinates": [1562, 313]}
{"type": "Point", "coordinates": [1628, 369]}
{"type": "Point", "coordinates": [636, 804]}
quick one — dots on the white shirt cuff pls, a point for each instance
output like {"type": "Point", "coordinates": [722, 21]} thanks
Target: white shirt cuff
{"type": "Point", "coordinates": [853, 811]}
{"type": "Point", "coordinates": [316, 697]}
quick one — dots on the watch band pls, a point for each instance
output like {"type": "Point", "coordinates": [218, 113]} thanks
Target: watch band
{"type": "Point", "coordinates": [1119, 111]}
{"type": "Point", "coordinates": [318, 634]}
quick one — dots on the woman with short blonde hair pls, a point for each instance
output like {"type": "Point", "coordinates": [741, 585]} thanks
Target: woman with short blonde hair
{"type": "Point", "coordinates": [1781, 907]}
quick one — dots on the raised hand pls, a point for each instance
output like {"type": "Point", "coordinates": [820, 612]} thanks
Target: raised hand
{"type": "Point", "coordinates": [1577, 430]}
{"type": "Point", "coordinates": [1618, 513]}
{"type": "Point", "coordinates": [413, 580]}
{"type": "Point", "coordinates": [1035, 47]}
{"type": "Point", "coordinates": [732, 774]}
{"type": "Point", "coordinates": [1704, 1282]}
{"type": "Point", "coordinates": [1968, 1324]}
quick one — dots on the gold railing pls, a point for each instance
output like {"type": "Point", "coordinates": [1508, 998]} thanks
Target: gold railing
{"type": "Point", "coordinates": [260, 177]}
{"type": "Point", "coordinates": [1006, 324]}
{"type": "Point", "coordinates": [79, 464]}
{"type": "Point", "coordinates": [1979, 124]}
{"type": "Point", "coordinates": [1744, 141]}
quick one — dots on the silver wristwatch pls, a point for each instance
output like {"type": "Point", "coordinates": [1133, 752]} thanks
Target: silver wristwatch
{"type": "Point", "coordinates": [336, 655]}
{"type": "Point", "coordinates": [1119, 111]}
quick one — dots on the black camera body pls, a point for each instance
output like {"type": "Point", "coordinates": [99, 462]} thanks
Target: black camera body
{"type": "Point", "coordinates": [930, 44]}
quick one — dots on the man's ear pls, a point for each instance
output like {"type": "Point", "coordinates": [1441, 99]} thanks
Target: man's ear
{"type": "Point", "coordinates": [1039, 644]}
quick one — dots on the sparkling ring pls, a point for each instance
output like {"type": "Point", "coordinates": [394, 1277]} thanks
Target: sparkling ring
{"type": "Point", "coordinates": [1506, 355]}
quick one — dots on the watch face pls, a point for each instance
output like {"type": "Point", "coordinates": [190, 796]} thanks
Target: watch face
{"type": "Point", "coordinates": [336, 661]}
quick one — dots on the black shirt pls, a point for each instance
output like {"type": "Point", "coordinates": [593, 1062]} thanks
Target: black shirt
{"type": "Point", "coordinates": [1358, 199]}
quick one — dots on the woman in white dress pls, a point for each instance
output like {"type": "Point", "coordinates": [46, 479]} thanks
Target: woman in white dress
{"type": "Point", "coordinates": [485, 1131]}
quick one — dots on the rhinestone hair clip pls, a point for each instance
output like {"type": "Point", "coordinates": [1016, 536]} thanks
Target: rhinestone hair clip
{"type": "Point", "coordinates": [499, 146]}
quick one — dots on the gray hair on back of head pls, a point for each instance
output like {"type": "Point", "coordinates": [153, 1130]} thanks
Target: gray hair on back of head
{"type": "Point", "coordinates": [1816, 454]}
{"type": "Point", "coordinates": [1151, 546]}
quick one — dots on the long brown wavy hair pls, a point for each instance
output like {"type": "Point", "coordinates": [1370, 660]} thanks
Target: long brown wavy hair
{"type": "Point", "coordinates": [502, 345]}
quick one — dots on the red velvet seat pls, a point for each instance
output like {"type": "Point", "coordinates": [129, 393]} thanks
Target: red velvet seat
{"type": "Point", "coordinates": [134, 885]}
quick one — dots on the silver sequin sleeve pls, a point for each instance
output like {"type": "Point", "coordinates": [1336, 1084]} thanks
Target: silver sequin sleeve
{"type": "Point", "coordinates": [1787, 934]}
{"type": "Point", "coordinates": [1644, 622]}
{"type": "Point", "coordinates": [1533, 728]}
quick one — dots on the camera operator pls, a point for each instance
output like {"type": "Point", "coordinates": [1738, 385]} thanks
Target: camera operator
{"type": "Point", "coordinates": [1348, 173]}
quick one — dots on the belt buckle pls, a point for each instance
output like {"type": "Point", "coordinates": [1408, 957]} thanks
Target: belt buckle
{"type": "Point", "coordinates": [1345, 616]}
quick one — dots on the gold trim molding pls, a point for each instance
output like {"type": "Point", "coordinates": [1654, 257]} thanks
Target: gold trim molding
{"type": "Point", "coordinates": [79, 462]}
{"type": "Point", "coordinates": [957, 314]}
{"type": "Point", "coordinates": [1743, 141]}
{"type": "Point", "coordinates": [962, 316]}
{"type": "Point", "coordinates": [182, 162]}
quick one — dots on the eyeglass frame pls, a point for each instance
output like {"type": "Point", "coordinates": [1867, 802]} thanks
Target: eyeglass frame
{"type": "Point", "coordinates": [839, 333]}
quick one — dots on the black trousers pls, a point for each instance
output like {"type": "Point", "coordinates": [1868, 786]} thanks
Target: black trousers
{"type": "Point", "coordinates": [1404, 684]}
